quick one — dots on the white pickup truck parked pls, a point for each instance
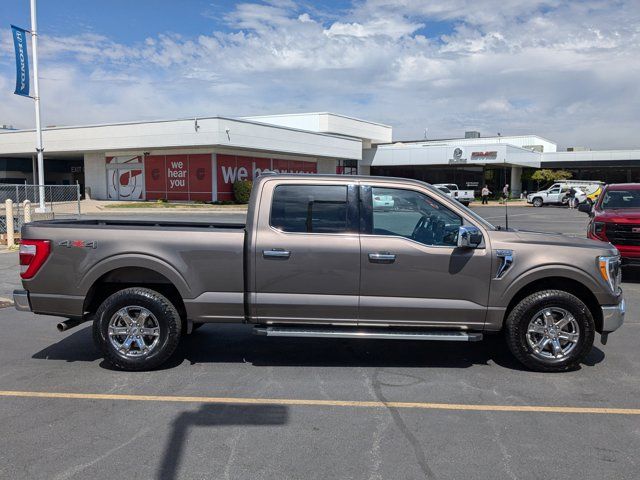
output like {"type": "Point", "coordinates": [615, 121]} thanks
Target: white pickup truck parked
{"type": "Point", "coordinates": [465, 197]}
{"type": "Point", "coordinates": [558, 193]}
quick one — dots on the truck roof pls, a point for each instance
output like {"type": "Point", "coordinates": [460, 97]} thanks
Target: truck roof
{"type": "Point", "coordinates": [343, 178]}
{"type": "Point", "coordinates": [623, 186]}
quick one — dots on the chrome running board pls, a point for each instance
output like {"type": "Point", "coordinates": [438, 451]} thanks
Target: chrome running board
{"type": "Point", "coordinates": [378, 333]}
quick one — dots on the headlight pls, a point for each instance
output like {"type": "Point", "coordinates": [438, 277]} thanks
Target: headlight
{"type": "Point", "coordinates": [599, 230]}
{"type": "Point", "coordinates": [610, 271]}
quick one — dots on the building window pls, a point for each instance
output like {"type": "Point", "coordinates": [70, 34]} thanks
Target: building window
{"type": "Point", "coordinates": [347, 167]}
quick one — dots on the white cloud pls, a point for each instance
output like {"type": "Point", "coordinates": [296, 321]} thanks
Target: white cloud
{"type": "Point", "coordinates": [565, 70]}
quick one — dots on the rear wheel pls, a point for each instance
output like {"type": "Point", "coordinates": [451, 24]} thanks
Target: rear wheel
{"type": "Point", "coordinates": [137, 329]}
{"type": "Point", "coordinates": [537, 202]}
{"type": "Point", "coordinates": [550, 331]}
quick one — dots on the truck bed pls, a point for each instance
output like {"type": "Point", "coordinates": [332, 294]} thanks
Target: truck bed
{"type": "Point", "coordinates": [203, 261]}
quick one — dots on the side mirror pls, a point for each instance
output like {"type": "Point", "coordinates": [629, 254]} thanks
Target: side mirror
{"type": "Point", "coordinates": [469, 236]}
{"type": "Point", "coordinates": [584, 207]}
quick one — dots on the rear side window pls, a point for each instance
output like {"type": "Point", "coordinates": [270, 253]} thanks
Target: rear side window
{"type": "Point", "coordinates": [311, 209]}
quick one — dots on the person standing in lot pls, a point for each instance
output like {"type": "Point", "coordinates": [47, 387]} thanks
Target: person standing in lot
{"type": "Point", "coordinates": [485, 195]}
{"type": "Point", "coordinates": [505, 193]}
{"type": "Point", "coordinates": [572, 197]}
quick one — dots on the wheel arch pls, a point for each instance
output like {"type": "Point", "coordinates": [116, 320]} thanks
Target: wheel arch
{"type": "Point", "coordinates": [566, 284]}
{"type": "Point", "coordinates": [122, 277]}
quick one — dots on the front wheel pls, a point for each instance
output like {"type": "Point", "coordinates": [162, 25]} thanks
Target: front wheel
{"type": "Point", "coordinates": [137, 329]}
{"type": "Point", "coordinates": [538, 202]}
{"type": "Point", "coordinates": [550, 331]}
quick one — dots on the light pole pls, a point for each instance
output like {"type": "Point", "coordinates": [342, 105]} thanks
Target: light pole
{"type": "Point", "coordinates": [39, 149]}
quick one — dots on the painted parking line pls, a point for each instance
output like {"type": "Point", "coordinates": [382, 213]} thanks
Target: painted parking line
{"type": "Point", "coordinates": [322, 403]}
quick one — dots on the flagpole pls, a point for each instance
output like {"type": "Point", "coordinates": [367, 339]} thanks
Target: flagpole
{"type": "Point", "coordinates": [34, 46]}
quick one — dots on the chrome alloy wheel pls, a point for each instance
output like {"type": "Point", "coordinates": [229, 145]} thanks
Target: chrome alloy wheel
{"type": "Point", "coordinates": [134, 331]}
{"type": "Point", "coordinates": [553, 333]}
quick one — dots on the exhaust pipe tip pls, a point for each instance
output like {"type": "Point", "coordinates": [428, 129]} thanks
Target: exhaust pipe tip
{"type": "Point", "coordinates": [69, 324]}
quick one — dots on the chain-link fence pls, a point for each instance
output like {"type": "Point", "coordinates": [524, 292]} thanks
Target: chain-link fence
{"type": "Point", "coordinates": [59, 200]}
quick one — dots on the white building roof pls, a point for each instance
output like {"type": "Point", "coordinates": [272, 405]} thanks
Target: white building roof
{"type": "Point", "coordinates": [185, 133]}
{"type": "Point", "coordinates": [326, 122]}
{"type": "Point", "coordinates": [592, 156]}
{"type": "Point", "coordinates": [397, 154]}
{"type": "Point", "coordinates": [522, 141]}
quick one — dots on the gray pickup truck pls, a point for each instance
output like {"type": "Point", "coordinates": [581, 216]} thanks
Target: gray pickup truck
{"type": "Point", "coordinates": [318, 258]}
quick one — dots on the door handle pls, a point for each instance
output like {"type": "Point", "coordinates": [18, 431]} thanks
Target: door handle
{"type": "Point", "coordinates": [382, 257]}
{"type": "Point", "coordinates": [276, 253]}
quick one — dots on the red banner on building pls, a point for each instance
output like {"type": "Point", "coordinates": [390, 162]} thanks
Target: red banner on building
{"type": "Point", "coordinates": [178, 177]}
{"type": "Point", "coordinates": [235, 167]}
{"type": "Point", "coordinates": [190, 177]}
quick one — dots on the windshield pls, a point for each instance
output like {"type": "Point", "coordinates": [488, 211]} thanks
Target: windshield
{"type": "Point", "coordinates": [621, 199]}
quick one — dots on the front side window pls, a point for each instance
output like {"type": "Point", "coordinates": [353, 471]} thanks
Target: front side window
{"type": "Point", "coordinates": [413, 215]}
{"type": "Point", "coordinates": [311, 209]}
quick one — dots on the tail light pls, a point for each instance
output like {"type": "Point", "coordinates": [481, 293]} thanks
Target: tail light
{"type": "Point", "coordinates": [33, 254]}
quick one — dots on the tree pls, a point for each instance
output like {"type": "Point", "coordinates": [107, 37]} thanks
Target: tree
{"type": "Point", "coordinates": [547, 175]}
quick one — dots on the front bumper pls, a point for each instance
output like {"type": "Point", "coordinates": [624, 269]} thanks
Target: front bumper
{"type": "Point", "coordinates": [612, 317]}
{"type": "Point", "coordinates": [21, 300]}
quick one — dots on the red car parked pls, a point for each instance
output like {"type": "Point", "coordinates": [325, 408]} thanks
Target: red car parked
{"type": "Point", "coordinates": [615, 218]}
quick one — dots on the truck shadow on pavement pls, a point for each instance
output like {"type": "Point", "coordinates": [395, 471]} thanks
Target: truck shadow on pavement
{"type": "Point", "coordinates": [74, 347]}
{"type": "Point", "coordinates": [236, 344]}
{"type": "Point", "coordinates": [213, 415]}
{"type": "Point", "coordinates": [218, 343]}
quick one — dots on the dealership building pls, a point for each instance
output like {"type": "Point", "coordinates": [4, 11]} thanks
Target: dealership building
{"type": "Point", "coordinates": [199, 159]}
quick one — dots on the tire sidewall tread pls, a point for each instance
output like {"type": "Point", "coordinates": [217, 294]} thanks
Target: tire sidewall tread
{"type": "Point", "coordinates": [165, 312]}
{"type": "Point", "coordinates": [518, 321]}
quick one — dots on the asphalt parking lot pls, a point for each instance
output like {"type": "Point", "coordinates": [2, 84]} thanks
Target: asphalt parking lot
{"type": "Point", "coordinates": [236, 406]}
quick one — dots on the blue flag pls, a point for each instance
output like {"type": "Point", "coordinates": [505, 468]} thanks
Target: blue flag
{"type": "Point", "coordinates": [22, 60]}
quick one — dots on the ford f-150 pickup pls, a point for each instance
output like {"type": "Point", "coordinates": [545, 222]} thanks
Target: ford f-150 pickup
{"type": "Point", "coordinates": [318, 257]}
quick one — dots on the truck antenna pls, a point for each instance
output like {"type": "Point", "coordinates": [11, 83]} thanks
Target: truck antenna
{"type": "Point", "coordinates": [506, 198]}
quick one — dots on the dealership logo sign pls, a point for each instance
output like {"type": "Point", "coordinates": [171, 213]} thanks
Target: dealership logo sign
{"type": "Point", "coordinates": [492, 155]}
{"type": "Point", "coordinates": [457, 156]}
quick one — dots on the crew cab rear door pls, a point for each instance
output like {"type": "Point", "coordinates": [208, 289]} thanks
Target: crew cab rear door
{"type": "Point", "coordinates": [412, 271]}
{"type": "Point", "coordinates": [307, 253]}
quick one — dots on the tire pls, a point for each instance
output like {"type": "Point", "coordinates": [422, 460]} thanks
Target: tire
{"type": "Point", "coordinates": [525, 328]}
{"type": "Point", "coordinates": [537, 202]}
{"type": "Point", "coordinates": [160, 320]}
{"type": "Point", "coordinates": [466, 204]}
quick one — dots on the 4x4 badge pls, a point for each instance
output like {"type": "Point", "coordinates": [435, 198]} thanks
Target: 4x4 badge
{"type": "Point", "coordinates": [78, 244]}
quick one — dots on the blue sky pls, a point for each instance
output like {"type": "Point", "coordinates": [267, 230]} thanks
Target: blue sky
{"type": "Point", "coordinates": [564, 69]}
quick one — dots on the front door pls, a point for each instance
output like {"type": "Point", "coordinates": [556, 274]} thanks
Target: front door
{"type": "Point", "coordinates": [412, 271]}
{"type": "Point", "coordinates": [553, 195]}
{"type": "Point", "coordinates": [307, 256]}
